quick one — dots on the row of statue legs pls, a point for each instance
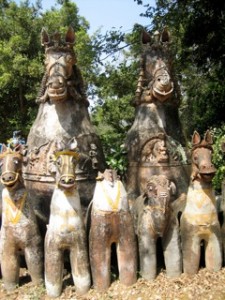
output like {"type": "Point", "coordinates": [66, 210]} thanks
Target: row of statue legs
{"type": "Point", "coordinates": [191, 247]}
{"type": "Point", "coordinates": [10, 261]}
{"type": "Point", "coordinates": [171, 251]}
{"type": "Point", "coordinates": [54, 263]}
{"type": "Point", "coordinates": [106, 229]}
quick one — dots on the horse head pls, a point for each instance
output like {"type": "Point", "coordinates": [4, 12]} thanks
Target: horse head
{"type": "Point", "coordinates": [11, 166]}
{"type": "Point", "coordinates": [202, 166]}
{"type": "Point", "coordinates": [155, 82]}
{"type": "Point", "coordinates": [62, 77]}
{"type": "Point", "coordinates": [63, 164]}
{"type": "Point", "coordinates": [158, 194]}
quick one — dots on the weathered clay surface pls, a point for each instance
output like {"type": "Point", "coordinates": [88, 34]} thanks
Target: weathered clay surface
{"type": "Point", "coordinates": [199, 221]}
{"type": "Point", "coordinates": [154, 218]}
{"type": "Point", "coordinates": [19, 230]}
{"type": "Point", "coordinates": [65, 230]}
{"type": "Point", "coordinates": [155, 142]}
{"type": "Point", "coordinates": [62, 115]}
{"type": "Point", "coordinates": [111, 222]}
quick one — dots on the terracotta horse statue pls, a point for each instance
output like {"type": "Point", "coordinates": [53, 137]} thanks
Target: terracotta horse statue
{"type": "Point", "coordinates": [199, 221]}
{"type": "Point", "coordinates": [154, 219]}
{"type": "Point", "coordinates": [155, 142]}
{"type": "Point", "coordinates": [65, 230]}
{"type": "Point", "coordinates": [111, 223]}
{"type": "Point", "coordinates": [63, 114]}
{"type": "Point", "coordinates": [19, 231]}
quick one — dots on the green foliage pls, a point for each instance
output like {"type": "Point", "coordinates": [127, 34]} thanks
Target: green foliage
{"type": "Point", "coordinates": [198, 35]}
{"type": "Point", "coordinates": [218, 156]}
{"type": "Point", "coordinates": [22, 57]}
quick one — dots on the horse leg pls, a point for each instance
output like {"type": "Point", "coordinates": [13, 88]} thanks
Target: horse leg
{"type": "Point", "coordinates": [172, 252]}
{"type": "Point", "coordinates": [213, 251]}
{"type": "Point", "coordinates": [34, 261]}
{"type": "Point", "coordinates": [53, 269]}
{"type": "Point", "coordinates": [191, 248]}
{"type": "Point", "coordinates": [127, 251]}
{"type": "Point", "coordinates": [147, 255]}
{"type": "Point", "coordinates": [100, 252]}
{"type": "Point", "coordinates": [10, 265]}
{"type": "Point", "coordinates": [80, 266]}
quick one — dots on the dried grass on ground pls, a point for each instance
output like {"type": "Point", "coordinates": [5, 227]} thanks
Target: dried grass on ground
{"type": "Point", "coordinates": [203, 286]}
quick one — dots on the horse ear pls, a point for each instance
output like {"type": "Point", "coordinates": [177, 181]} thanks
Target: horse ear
{"type": "Point", "coordinates": [59, 145]}
{"type": "Point", "coordinates": [45, 40]}
{"type": "Point", "coordinates": [208, 137]}
{"type": "Point", "coordinates": [4, 148]}
{"type": "Point", "coordinates": [100, 176]}
{"type": "Point", "coordinates": [223, 146]}
{"type": "Point", "coordinates": [173, 188]}
{"type": "Point", "coordinates": [165, 35]}
{"type": "Point", "coordinates": [196, 139]}
{"type": "Point", "coordinates": [73, 144]}
{"type": "Point", "coordinates": [70, 36]}
{"type": "Point", "coordinates": [146, 38]}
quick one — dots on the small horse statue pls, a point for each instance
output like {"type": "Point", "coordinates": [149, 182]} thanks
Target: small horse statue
{"type": "Point", "coordinates": [199, 221]}
{"type": "Point", "coordinates": [65, 230]}
{"type": "Point", "coordinates": [19, 229]}
{"type": "Point", "coordinates": [154, 218]}
{"type": "Point", "coordinates": [63, 114]}
{"type": "Point", "coordinates": [111, 222]}
{"type": "Point", "coordinates": [155, 143]}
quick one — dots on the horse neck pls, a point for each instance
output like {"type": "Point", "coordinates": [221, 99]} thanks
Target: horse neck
{"type": "Point", "coordinates": [198, 184]}
{"type": "Point", "coordinates": [12, 193]}
{"type": "Point", "coordinates": [66, 200]}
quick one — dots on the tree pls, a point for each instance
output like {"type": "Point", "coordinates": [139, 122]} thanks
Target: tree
{"type": "Point", "coordinates": [198, 30]}
{"type": "Point", "coordinates": [22, 57]}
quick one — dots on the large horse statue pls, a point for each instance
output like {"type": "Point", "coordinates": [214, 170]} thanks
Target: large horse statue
{"type": "Point", "coordinates": [155, 142]}
{"type": "Point", "coordinates": [63, 114]}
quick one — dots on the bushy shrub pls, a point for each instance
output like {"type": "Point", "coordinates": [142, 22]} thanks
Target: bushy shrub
{"type": "Point", "coordinates": [219, 156]}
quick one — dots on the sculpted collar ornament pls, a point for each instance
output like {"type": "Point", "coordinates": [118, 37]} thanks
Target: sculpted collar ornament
{"type": "Point", "coordinates": [14, 208]}
{"type": "Point", "coordinates": [114, 203]}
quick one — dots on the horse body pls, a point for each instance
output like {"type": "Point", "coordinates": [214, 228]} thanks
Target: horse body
{"type": "Point", "coordinates": [65, 230]}
{"type": "Point", "coordinates": [62, 115]}
{"type": "Point", "coordinates": [199, 220]}
{"type": "Point", "coordinates": [156, 122]}
{"type": "Point", "coordinates": [154, 218]}
{"type": "Point", "coordinates": [19, 225]}
{"type": "Point", "coordinates": [111, 222]}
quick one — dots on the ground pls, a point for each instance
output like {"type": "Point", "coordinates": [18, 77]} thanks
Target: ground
{"type": "Point", "coordinates": [203, 286]}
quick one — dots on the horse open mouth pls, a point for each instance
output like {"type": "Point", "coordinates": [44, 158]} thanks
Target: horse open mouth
{"type": "Point", "coordinates": [67, 182]}
{"type": "Point", "coordinates": [162, 94]}
{"type": "Point", "coordinates": [207, 176]}
{"type": "Point", "coordinates": [57, 94]}
{"type": "Point", "coordinates": [67, 186]}
{"type": "Point", "coordinates": [9, 184]}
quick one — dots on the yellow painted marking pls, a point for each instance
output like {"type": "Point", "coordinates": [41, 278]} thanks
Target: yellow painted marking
{"type": "Point", "coordinates": [113, 203]}
{"type": "Point", "coordinates": [14, 209]}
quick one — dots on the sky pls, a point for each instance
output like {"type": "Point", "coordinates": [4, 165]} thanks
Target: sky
{"type": "Point", "coordinates": [112, 13]}
{"type": "Point", "coordinates": [106, 14]}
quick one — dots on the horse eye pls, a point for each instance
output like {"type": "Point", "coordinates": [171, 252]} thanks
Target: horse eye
{"type": "Point", "coordinates": [74, 161]}
{"type": "Point", "coordinates": [58, 162]}
{"type": "Point", "coordinates": [69, 58]}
